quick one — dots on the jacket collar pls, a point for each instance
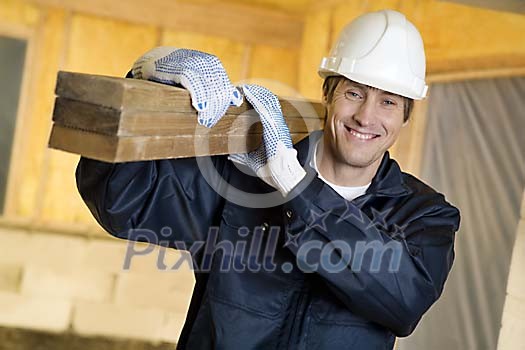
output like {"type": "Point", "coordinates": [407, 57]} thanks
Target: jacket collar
{"type": "Point", "coordinates": [388, 181]}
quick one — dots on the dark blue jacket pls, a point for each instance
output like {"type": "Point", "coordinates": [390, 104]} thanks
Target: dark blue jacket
{"type": "Point", "coordinates": [313, 286]}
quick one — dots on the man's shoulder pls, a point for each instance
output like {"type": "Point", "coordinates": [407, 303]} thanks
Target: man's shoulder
{"type": "Point", "coordinates": [429, 200]}
{"type": "Point", "coordinates": [418, 186]}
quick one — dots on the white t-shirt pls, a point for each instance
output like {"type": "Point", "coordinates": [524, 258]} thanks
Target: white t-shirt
{"type": "Point", "coordinates": [347, 192]}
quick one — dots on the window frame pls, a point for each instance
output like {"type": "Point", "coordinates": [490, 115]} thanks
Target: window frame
{"type": "Point", "coordinates": [15, 167]}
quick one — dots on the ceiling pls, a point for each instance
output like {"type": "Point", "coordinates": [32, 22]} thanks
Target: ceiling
{"type": "Point", "coordinates": [294, 7]}
{"type": "Point", "coordinates": [299, 7]}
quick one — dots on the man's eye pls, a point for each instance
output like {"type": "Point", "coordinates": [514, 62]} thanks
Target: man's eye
{"type": "Point", "coordinates": [352, 95]}
{"type": "Point", "coordinates": [389, 102]}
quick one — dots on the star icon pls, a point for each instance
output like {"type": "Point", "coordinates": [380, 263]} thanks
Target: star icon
{"type": "Point", "coordinates": [399, 232]}
{"type": "Point", "coordinates": [318, 219]}
{"type": "Point", "coordinates": [351, 211]}
{"type": "Point", "coordinates": [379, 218]}
{"type": "Point", "coordinates": [291, 239]}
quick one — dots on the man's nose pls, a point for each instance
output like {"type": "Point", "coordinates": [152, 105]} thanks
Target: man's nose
{"type": "Point", "coordinates": [365, 115]}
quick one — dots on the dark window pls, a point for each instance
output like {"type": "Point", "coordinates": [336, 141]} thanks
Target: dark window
{"type": "Point", "coordinates": [12, 54]}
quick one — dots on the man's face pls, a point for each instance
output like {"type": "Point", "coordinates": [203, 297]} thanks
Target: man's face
{"type": "Point", "coordinates": [362, 123]}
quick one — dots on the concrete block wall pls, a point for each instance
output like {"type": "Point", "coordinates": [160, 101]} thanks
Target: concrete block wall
{"type": "Point", "coordinates": [62, 283]}
{"type": "Point", "coordinates": [513, 318]}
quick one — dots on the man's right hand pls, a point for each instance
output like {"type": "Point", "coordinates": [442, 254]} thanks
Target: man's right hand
{"type": "Point", "coordinates": [202, 74]}
{"type": "Point", "coordinates": [275, 161]}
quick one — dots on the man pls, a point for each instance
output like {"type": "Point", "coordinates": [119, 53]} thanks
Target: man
{"type": "Point", "coordinates": [355, 251]}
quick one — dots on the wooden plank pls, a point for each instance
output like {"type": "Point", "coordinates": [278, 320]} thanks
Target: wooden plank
{"type": "Point", "coordinates": [86, 116]}
{"type": "Point", "coordinates": [123, 149]}
{"type": "Point", "coordinates": [135, 94]}
{"type": "Point", "coordinates": [239, 22]}
{"type": "Point", "coordinates": [116, 93]}
{"type": "Point", "coordinates": [109, 121]}
{"type": "Point", "coordinates": [117, 119]}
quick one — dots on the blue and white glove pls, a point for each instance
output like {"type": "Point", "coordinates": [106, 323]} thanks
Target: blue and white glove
{"type": "Point", "coordinates": [275, 161]}
{"type": "Point", "coordinates": [200, 73]}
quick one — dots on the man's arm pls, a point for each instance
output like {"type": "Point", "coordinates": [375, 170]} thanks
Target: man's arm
{"type": "Point", "coordinates": [169, 200]}
{"type": "Point", "coordinates": [423, 252]}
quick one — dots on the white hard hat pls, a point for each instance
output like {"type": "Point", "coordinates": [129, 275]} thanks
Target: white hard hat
{"type": "Point", "coordinates": [381, 49]}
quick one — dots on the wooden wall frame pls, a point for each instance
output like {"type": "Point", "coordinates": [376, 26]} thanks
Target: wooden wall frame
{"type": "Point", "coordinates": [239, 22]}
{"type": "Point", "coordinates": [23, 32]}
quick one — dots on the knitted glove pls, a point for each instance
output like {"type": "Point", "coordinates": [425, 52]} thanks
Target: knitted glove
{"type": "Point", "coordinates": [200, 73]}
{"type": "Point", "coordinates": [275, 161]}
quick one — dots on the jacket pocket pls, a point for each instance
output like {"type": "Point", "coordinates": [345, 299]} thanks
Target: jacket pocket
{"type": "Point", "coordinates": [333, 325]}
{"type": "Point", "coordinates": [328, 309]}
{"type": "Point", "coordinates": [261, 292]}
{"type": "Point", "coordinates": [238, 328]}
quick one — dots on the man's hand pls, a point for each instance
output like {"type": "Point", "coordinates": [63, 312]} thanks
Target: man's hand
{"type": "Point", "coordinates": [275, 161]}
{"type": "Point", "coordinates": [200, 73]}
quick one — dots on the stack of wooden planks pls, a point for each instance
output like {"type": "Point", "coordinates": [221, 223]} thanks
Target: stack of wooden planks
{"type": "Point", "coordinates": [120, 120]}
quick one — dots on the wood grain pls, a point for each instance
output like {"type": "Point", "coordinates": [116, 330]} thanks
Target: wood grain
{"type": "Point", "coordinates": [116, 149]}
{"type": "Point", "coordinates": [118, 120]}
{"type": "Point", "coordinates": [110, 121]}
{"type": "Point", "coordinates": [135, 94]}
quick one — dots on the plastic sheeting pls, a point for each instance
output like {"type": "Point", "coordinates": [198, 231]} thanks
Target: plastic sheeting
{"type": "Point", "coordinates": [474, 152]}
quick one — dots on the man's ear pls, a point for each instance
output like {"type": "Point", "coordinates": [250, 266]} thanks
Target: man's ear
{"type": "Point", "coordinates": [405, 123]}
{"type": "Point", "coordinates": [324, 100]}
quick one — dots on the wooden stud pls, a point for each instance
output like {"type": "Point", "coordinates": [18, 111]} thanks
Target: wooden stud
{"type": "Point", "coordinates": [118, 119]}
{"type": "Point", "coordinates": [109, 121]}
{"type": "Point", "coordinates": [141, 95]}
{"type": "Point", "coordinates": [114, 149]}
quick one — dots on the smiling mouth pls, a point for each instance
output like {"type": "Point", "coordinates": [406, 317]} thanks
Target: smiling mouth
{"type": "Point", "coordinates": [360, 135]}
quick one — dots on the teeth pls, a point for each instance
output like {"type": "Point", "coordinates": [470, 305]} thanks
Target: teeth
{"type": "Point", "coordinates": [361, 136]}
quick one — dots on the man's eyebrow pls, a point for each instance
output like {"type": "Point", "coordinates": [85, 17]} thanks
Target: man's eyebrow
{"type": "Point", "coordinates": [366, 87]}
{"type": "Point", "coordinates": [358, 85]}
{"type": "Point", "coordinates": [391, 94]}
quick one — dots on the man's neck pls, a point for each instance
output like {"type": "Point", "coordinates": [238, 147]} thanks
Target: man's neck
{"type": "Point", "coordinates": [343, 174]}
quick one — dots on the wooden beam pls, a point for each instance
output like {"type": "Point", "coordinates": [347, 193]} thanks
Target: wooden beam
{"type": "Point", "coordinates": [116, 120]}
{"type": "Point", "coordinates": [141, 95]}
{"type": "Point", "coordinates": [115, 149]}
{"type": "Point", "coordinates": [240, 22]}
{"type": "Point", "coordinates": [126, 122]}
